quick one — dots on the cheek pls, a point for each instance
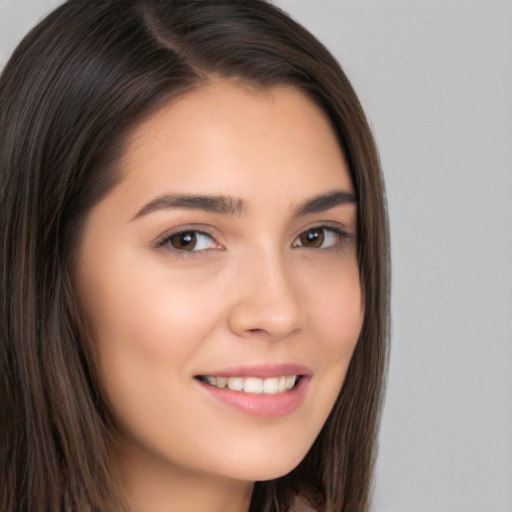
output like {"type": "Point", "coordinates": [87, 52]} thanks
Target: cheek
{"type": "Point", "coordinates": [337, 311]}
{"type": "Point", "coordinates": [144, 325]}
{"type": "Point", "coordinates": [146, 333]}
{"type": "Point", "coordinates": [135, 306]}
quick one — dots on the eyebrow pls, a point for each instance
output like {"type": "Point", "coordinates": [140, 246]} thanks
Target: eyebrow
{"type": "Point", "coordinates": [234, 206]}
{"type": "Point", "coordinates": [216, 204]}
{"type": "Point", "coordinates": [325, 202]}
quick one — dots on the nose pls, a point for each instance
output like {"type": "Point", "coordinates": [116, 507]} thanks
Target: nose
{"type": "Point", "coordinates": [267, 300]}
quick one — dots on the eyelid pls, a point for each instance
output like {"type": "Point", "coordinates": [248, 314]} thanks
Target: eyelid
{"type": "Point", "coordinates": [338, 229]}
{"type": "Point", "coordinates": [162, 240]}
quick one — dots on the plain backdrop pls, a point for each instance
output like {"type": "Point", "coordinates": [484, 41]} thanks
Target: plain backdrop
{"type": "Point", "coordinates": [435, 78]}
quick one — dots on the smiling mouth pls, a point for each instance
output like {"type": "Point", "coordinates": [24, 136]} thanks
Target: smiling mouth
{"type": "Point", "coordinates": [253, 385]}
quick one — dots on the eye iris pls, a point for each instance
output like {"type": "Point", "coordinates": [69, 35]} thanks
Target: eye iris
{"type": "Point", "coordinates": [313, 238]}
{"type": "Point", "coordinates": [184, 241]}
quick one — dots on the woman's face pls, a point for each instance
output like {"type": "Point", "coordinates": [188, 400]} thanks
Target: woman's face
{"type": "Point", "coordinates": [220, 282]}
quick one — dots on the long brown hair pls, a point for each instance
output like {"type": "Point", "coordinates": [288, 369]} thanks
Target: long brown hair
{"type": "Point", "coordinates": [72, 90]}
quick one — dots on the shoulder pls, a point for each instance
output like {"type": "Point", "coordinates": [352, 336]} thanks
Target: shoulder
{"type": "Point", "coordinates": [301, 504]}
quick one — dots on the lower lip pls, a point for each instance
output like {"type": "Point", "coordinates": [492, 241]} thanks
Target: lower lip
{"type": "Point", "coordinates": [264, 406]}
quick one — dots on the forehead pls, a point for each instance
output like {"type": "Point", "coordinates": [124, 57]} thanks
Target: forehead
{"type": "Point", "coordinates": [226, 134]}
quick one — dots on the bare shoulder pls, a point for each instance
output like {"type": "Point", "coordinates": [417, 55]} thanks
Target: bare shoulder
{"type": "Point", "coordinates": [301, 504]}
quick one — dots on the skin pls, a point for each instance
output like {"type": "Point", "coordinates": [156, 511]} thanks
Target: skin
{"type": "Point", "coordinates": [250, 292]}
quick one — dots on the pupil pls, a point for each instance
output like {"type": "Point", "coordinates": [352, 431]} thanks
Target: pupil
{"type": "Point", "coordinates": [184, 240]}
{"type": "Point", "coordinates": [313, 238]}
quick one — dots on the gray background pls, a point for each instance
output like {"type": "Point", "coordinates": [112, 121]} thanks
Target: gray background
{"type": "Point", "coordinates": [435, 78]}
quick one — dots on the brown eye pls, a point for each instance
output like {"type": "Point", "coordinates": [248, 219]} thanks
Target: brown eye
{"type": "Point", "coordinates": [188, 241]}
{"type": "Point", "coordinates": [322, 237]}
{"type": "Point", "coordinates": [185, 241]}
{"type": "Point", "coordinates": [314, 238]}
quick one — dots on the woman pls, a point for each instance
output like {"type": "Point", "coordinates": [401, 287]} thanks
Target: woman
{"type": "Point", "coordinates": [194, 264]}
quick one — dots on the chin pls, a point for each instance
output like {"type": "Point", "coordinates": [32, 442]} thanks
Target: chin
{"type": "Point", "coordinates": [261, 469]}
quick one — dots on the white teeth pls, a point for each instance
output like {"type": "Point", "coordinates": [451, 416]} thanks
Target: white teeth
{"type": "Point", "coordinates": [290, 381]}
{"type": "Point", "coordinates": [270, 386]}
{"type": "Point", "coordinates": [211, 380]}
{"type": "Point", "coordinates": [236, 383]}
{"type": "Point", "coordinates": [255, 385]}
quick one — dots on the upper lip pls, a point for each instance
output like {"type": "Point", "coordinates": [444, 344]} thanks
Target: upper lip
{"type": "Point", "coordinates": [263, 371]}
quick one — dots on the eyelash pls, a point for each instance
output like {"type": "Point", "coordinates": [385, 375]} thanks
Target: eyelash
{"type": "Point", "coordinates": [165, 241]}
{"type": "Point", "coordinates": [341, 236]}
